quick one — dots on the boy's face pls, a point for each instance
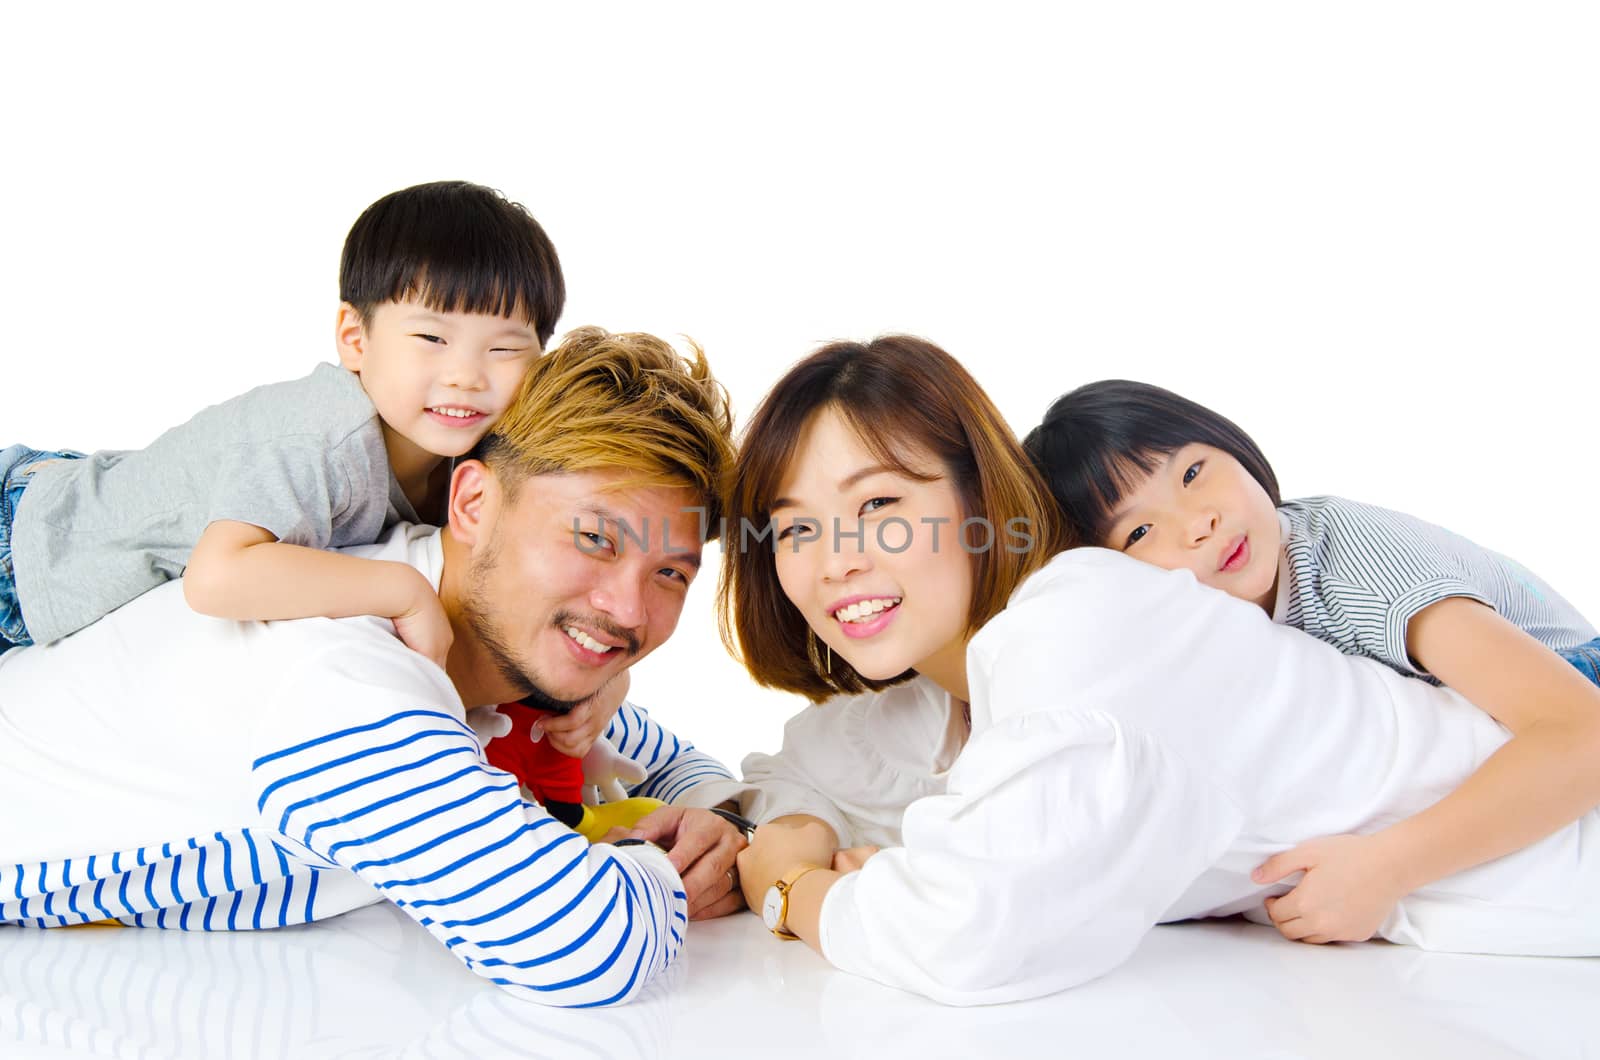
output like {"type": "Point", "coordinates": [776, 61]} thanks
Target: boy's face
{"type": "Point", "coordinates": [438, 379]}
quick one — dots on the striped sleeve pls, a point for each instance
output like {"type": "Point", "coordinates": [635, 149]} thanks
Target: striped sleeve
{"type": "Point", "coordinates": [407, 804]}
{"type": "Point", "coordinates": [675, 767]}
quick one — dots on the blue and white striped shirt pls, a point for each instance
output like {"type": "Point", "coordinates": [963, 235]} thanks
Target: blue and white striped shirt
{"type": "Point", "coordinates": [190, 773]}
{"type": "Point", "coordinates": [1354, 575]}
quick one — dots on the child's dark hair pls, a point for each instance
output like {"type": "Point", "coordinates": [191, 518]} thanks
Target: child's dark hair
{"type": "Point", "coordinates": [1101, 440]}
{"type": "Point", "coordinates": [458, 247]}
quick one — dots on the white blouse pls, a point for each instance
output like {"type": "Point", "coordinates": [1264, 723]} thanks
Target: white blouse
{"type": "Point", "coordinates": [1139, 744]}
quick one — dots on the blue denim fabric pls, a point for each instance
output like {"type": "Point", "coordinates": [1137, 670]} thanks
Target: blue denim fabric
{"type": "Point", "coordinates": [16, 470]}
{"type": "Point", "coordinates": [1586, 657]}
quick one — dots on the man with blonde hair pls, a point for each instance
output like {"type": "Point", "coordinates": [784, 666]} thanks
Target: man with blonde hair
{"type": "Point", "coordinates": [187, 772]}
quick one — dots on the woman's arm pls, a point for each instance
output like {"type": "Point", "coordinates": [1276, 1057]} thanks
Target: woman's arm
{"type": "Point", "coordinates": [782, 846]}
{"type": "Point", "coordinates": [848, 763]}
{"type": "Point", "coordinates": [1062, 839]}
{"type": "Point", "coordinates": [1546, 776]}
{"type": "Point", "coordinates": [811, 890]}
{"type": "Point", "coordinates": [240, 571]}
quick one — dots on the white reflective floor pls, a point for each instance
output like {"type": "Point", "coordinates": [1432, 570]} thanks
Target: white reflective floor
{"type": "Point", "coordinates": [372, 984]}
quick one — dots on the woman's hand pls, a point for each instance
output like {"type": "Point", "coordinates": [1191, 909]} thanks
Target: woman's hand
{"type": "Point", "coordinates": [1350, 887]}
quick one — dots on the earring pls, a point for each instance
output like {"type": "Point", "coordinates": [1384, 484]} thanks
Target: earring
{"type": "Point", "coordinates": [826, 653]}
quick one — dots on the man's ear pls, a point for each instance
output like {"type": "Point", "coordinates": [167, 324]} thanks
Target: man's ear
{"type": "Point", "coordinates": [474, 501]}
{"type": "Point", "coordinates": [350, 336]}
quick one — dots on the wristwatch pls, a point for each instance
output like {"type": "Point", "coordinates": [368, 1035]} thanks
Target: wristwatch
{"type": "Point", "coordinates": [775, 907]}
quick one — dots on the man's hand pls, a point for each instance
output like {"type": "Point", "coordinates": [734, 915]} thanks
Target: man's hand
{"type": "Point", "coordinates": [1348, 889]}
{"type": "Point", "coordinates": [702, 847]}
{"type": "Point", "coordinates": [423, 626]}
{"type": "Point", "coordinates": [574, 732]}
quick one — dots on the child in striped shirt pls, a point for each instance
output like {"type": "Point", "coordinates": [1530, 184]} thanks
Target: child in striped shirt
{"type": "Point", "coordinates": [1144, 471]}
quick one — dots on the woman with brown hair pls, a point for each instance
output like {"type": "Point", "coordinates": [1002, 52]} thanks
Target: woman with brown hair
{"type": "Point", "coordinates": [1022, 758]}
{"type": "Point", "coordinates": [882, 512]}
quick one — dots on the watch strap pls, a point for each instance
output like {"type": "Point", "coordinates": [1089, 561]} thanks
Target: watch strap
{"type": "Point", "coordinates": [785, 884]}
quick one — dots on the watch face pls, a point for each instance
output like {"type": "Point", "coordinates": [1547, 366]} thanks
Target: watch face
{"type": "Point", "coordinates": [772, 909]}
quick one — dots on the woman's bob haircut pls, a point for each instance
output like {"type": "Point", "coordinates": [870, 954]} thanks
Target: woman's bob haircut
{"type": "Point", "coordinates": [912, 405]}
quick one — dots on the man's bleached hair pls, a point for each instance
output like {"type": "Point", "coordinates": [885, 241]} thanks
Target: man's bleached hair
{"type": "Point", "coordinates": [627, 402]}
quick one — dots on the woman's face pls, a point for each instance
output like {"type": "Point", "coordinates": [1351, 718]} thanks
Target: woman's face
{"type": "Point", "coordinates": [874, 560]}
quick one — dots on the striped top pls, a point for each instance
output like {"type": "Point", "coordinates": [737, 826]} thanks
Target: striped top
{"type": "Point", "coordinates": [190, 773]}
{"type": "Point", "coordinates": [1354, 575]}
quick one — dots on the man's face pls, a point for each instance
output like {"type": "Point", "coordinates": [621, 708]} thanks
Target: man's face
{"type": "Point", "coordinates": [577, 578]}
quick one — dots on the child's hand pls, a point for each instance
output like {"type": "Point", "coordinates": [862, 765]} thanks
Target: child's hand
{"type": "Point", "coordinates": [574, 732]}
{"type": "Point", "coordinates": [424, 627]}
{"type": "Point", "coordinates": [1348, 889]}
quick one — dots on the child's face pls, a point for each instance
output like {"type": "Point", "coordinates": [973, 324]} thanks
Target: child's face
{"type": "Point", "coordinates": [896, 597]}
{"type": "Point", "coordinates": [1201, 511]}
{"type": "Point", "coordinates": [438, 379]}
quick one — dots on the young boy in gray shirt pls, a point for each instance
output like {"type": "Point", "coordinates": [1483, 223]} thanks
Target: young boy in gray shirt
{"type": "Point", "coordinates": [448, 293]}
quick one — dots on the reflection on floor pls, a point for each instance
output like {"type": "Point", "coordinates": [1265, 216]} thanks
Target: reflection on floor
{"type": "Point", "coordinates": [373, 984]}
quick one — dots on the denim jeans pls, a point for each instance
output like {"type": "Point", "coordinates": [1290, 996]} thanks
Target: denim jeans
{"type": "Point", "coordinates": [17, 464]}
{"type": "Point", "coordinates": [1586, 657]}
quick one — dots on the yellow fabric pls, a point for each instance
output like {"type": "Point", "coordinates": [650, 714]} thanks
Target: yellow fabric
{"type": "Point", "coordinates": [598, 820]}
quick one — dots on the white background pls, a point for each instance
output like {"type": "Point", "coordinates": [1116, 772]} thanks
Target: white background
{"type": "Point", "coordinates": [1369, 232]}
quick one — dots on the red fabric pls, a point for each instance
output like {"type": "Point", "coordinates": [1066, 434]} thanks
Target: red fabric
{"type": "Point", "coordinates": [549, 774]}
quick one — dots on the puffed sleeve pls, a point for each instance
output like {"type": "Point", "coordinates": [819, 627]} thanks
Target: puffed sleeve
{"type": "Point", "coordinates": [855, 762]}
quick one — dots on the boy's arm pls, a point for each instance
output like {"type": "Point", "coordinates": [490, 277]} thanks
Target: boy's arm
{"type": "Point", "coordinates": [241, 571]}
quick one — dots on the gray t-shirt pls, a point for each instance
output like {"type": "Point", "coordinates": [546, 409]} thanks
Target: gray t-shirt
{"type": "Point", "coordinates": [304, 460]}
{"type": "Point", "coordinates": [1354, 575]}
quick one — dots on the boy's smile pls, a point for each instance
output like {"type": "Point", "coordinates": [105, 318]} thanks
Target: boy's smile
{"type": "Point", "coordinates": [457, 417]}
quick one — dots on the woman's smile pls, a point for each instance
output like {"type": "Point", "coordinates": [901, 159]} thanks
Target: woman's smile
{"type": "Point", "coordinates": [866, 616]}
{"type": "Point", "coordinates": [851, 589]}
